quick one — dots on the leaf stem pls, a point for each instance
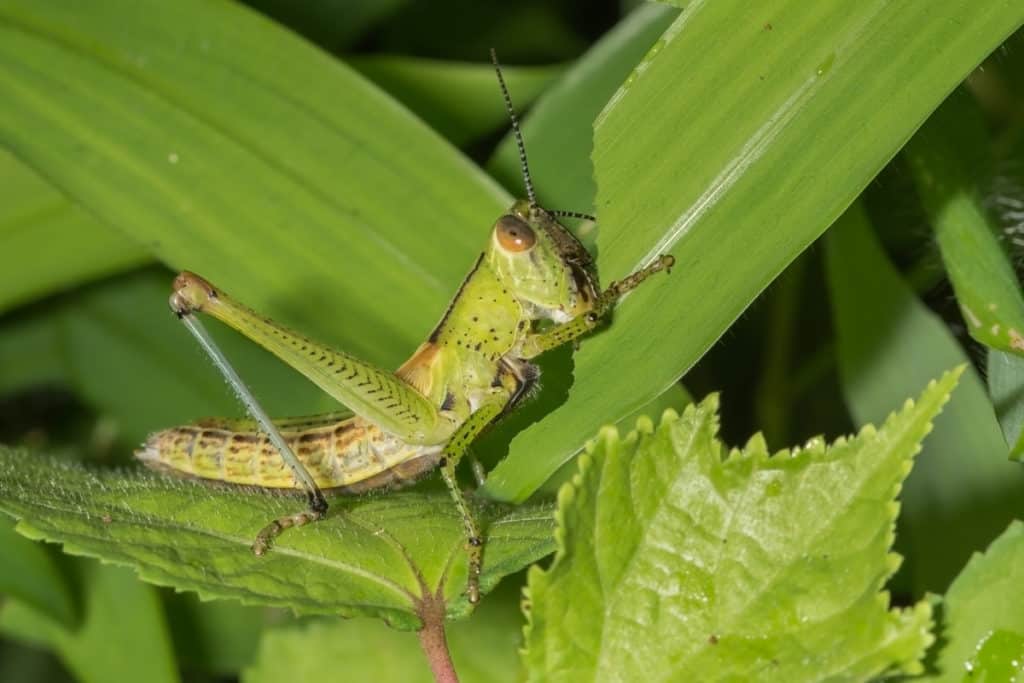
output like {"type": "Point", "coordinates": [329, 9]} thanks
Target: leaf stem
{"type": "Point", "coordinates": [434, 642]}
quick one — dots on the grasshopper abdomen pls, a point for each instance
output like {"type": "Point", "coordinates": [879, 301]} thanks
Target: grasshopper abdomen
{"type": "Point", "coordinates": [349, 455]}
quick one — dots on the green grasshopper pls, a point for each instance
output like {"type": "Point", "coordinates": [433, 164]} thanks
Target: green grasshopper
{"type": "Point", "coordinates": [532, 289]}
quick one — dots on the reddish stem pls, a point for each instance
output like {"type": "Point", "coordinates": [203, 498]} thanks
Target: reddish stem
{"type": "Point", "coordinates": [434, 643]}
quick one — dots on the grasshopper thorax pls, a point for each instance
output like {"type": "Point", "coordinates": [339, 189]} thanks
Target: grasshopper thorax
{"type": "Point", "coordinates": [542, 264]}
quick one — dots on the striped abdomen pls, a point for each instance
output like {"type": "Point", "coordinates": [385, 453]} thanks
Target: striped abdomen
{"type": "Point", "coordinates": [350, 454]}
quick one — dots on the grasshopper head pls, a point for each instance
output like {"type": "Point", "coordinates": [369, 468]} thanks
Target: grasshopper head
{"type": "Point", "coordinates": [542, 264]}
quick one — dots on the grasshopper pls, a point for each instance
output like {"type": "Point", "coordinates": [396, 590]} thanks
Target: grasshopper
{"type": "Point", "coordinates": [532, 289]}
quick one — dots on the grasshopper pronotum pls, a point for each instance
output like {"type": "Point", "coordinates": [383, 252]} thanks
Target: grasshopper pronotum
{"type": "Point", "coordinates": [473, 368]}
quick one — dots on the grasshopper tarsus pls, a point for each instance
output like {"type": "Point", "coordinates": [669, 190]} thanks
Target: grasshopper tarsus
{"type": "Point", "coordinates": [265, 538]}
{"type": "Point", "coordinates": [667, 261]}
{"type": "Point", "coordinates": [630, 282]}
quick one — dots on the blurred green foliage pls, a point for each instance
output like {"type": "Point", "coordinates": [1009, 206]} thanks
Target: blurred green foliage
{"type": "Point", "coordinates": [90, 361]}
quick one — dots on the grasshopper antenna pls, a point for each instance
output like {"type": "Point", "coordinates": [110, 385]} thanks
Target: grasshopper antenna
{"type": "Point", "coordinates": [572, 214]}
{"type": "Point", "coordinates": [515, 130]}
{"type": "Point", "coordinates": [522, 149]}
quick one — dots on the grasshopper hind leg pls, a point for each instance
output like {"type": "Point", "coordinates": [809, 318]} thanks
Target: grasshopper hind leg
{"type": "Point", "coordinates": [317, 508]}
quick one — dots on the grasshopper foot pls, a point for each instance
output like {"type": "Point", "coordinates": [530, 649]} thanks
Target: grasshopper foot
{"type": "Point", "coordinates": [266, 536]}
{"type": "Point", "coordinates": [630, 282]}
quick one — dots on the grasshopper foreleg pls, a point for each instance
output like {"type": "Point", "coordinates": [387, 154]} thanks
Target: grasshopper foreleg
{"type": "Point", "coordinates": [570, 331]}
{"type": "Point", "coordinates": [315, 497]}
{"type": "Point", "coordinates": [617, 289]}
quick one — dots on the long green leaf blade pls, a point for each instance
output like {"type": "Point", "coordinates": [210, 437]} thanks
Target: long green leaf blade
{"type": "Point", "coordinates": [744, 133]}
{"type": "Point", "coordinates": [558, 130]}
{"type": "Point", "coordinates": [47, 242]}
{"type": "Point", "coordinates": [233, 148]}
{"type": "Point", "coordinates": [459, 100]}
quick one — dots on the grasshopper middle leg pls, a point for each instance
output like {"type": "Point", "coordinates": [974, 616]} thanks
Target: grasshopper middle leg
{"type": "Point", "coordinates": [451, 455]}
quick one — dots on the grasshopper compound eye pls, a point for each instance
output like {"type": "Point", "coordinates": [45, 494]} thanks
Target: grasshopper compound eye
{"type": "Point", "coordinates": [513, 234]}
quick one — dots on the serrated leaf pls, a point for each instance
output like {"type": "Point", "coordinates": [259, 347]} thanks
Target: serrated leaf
{"type": "Point", "coordinates": [674, 564]}
{"type": "Point", "coordinates": [987, 596]}
{"type": "Point", "coordinates": [382, 555]}
{"type": "Point", "coordinates": [676, 398]}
